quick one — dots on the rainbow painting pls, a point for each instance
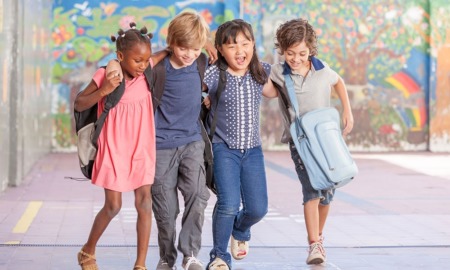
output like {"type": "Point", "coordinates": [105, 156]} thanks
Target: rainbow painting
{"type": "Point", "coordinates": [414, 117]}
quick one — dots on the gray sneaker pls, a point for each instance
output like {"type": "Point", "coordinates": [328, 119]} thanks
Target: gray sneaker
{"type": "Point", "coordinates": [163, 265]}
{"type": "Point", "coordinates": [192, 263]}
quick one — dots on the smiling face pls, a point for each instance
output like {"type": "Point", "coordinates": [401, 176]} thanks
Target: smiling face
{"type": "Point", "coordinates": [183, 57]}
{"type": "Point", "coordinates": [297, 56]}
{"type": "Point", "coordinates": [135, 60]}
{"type": "Point", "coordinates": [238, 53]}
{"type": "Point", "coordinates": [186, 36]}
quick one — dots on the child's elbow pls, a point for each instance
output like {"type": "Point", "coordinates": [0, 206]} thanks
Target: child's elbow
{"type": "Point", "coordinates": [77, 104]}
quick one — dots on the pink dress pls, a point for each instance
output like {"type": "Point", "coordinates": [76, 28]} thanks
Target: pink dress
{"type": "Point", "coordinates": [126, 146]}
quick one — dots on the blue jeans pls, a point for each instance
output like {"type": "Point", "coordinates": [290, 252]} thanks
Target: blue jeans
{"type": "Point", "coordinates": [239, 175]}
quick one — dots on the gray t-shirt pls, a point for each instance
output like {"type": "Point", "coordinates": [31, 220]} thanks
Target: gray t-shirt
{"type": "Point", "coordinates": [238, 109]}
{"type": "Point", "coordinates": [313, 91]}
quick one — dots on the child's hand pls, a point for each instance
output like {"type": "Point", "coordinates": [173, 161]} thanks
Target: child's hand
{"type": "Point", "coordinates": [111, 82]}
{"type": "Point", "coordinates": [347, 119]}
{"type": "Point", "coordinates": [114, 65]}
{"type": "Point", "coordinates": [207, 102]}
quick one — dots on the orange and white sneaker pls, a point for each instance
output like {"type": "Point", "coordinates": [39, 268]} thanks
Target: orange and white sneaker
{"type": "Point", "coordinates": [239, 249]}
{"type": "Point", "coordinates": [316, 253]}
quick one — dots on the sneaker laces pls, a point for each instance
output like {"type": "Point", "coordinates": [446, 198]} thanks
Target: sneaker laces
{"type": "Point", "coordinates": [321, 238]}
{"type": "Point", "coordinates": [317, 247]}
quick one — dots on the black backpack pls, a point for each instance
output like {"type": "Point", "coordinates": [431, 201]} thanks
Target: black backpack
{"type": "Point", "coordinates": [88, 126]}
{"type": "Point", "coordinates": [159, 79]}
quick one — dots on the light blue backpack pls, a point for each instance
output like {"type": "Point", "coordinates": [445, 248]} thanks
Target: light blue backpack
{"type": "Point", "coordinates": [318, 139]}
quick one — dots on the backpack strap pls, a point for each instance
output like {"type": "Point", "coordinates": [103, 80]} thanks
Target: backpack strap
{"type": "Point", "coordinates": [148, 73]}
{"type": "Point", "coordinates": [208, 152]}
{"type": "Point", "coordinates": [282, 95]}
{"type": "Point", "coordinates": [158, 84]}
{"type": "Point", "coordinates": [220, 87]}
{"type": "Point", "coordinates": [201, 66]}
{"type": "Point", "coordinates": [111, 100]}
{"type": "Point", "coordinates": [291, 92]}
{"type": "Point", "coordinates": [203, 118]}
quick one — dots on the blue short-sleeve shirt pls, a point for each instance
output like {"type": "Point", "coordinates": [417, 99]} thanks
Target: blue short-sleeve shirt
{"type": "Point", "coordinates": [176, 119]}
{"type": "Point", "coordinates": [238, 108]}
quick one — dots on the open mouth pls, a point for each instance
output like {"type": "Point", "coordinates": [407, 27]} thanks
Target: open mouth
{"type": "Point", "coordinates": [240, 60]}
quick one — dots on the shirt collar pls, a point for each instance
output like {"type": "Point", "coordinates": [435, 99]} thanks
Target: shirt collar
{"type": "Point", "coordinates": [316, 65]}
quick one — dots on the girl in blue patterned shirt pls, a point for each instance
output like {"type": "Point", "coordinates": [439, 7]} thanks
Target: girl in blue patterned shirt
{"type": "Point", "coordinates": [238, 157]}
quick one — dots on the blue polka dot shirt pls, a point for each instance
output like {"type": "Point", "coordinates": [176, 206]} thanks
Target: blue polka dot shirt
{"type": "Point", "coordinates": [238, 108]}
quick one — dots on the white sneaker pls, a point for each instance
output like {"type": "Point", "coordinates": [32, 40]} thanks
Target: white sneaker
{"type": "Point", "coordinates": [218, 264]}
{"type": "Point", "coordinates": [316, 254]}
{"type": "Point", "coordinates": [192, 263]}
{"type": "Point", "coordinates": [239, 249]}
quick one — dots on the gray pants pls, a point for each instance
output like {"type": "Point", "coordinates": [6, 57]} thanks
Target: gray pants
{"type": "Point", "coordinates": [181, 168]}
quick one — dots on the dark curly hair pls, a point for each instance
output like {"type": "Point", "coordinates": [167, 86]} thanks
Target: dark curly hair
{"type": "Point", "coordinates": [295, 31]}
{"type": "Point", "coordinates": [127, 39]}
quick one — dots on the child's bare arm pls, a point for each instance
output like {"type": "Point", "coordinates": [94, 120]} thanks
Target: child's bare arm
{"type": "Point", "coordinates": [347, 115]}
{"type": "Point", "coordinates": [159, 56]}
{"type": "Point", "coordinates": [211, 51]}
{"type": "Point", "coordinates": [114, 65]}
{"type": "Point", "coordinates": [92, 94]}
{"type": "Point", "coordinates": [269, 90]}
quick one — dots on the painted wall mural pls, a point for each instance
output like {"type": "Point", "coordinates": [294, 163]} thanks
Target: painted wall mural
{"type": "Point", "coordinates": [382, 48]}
{"type": "Point", "coordinates": [440, 79]}
{"type": "Point", "coordinates": [81, 43]}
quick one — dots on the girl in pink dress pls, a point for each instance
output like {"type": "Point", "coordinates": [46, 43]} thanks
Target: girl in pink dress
{"type": "Point", "coordinates": [125, 159]}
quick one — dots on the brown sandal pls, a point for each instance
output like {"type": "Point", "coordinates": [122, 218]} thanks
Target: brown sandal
{"type": "Point", "coordinates": [84, 257]}
{"type": "Point", "coordinates": [138, 267]}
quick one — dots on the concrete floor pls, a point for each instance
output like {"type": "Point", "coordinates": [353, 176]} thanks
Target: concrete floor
{"type": "Point", "coordinates": [394, 215]}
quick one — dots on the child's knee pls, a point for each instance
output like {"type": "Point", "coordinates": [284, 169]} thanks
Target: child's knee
{"type": "Point", "coordinates": [143, 203]}
{"type": "Point", "coordinates": [112, 209]}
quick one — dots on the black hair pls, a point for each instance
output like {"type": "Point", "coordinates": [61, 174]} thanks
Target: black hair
{"type": "Point", "coordinates": [127, 39]}
{"type": "Point", "coordinates": [227, 33]}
